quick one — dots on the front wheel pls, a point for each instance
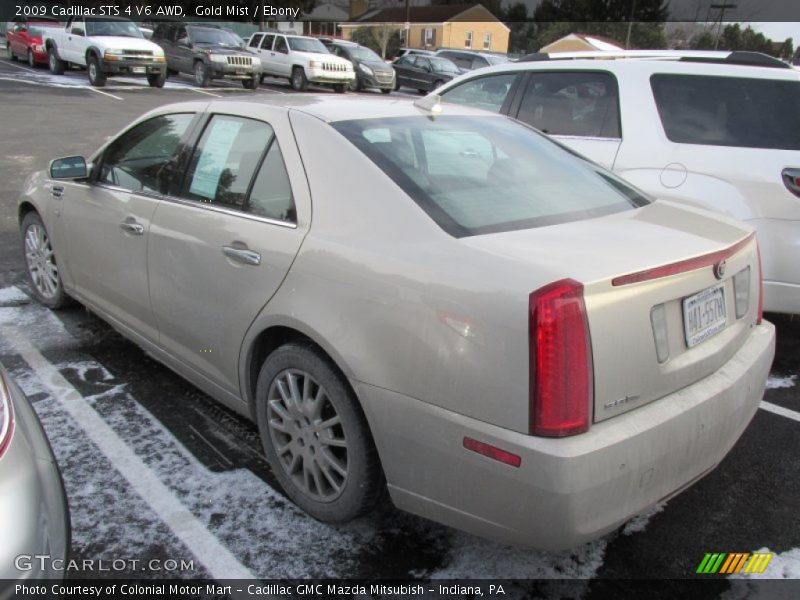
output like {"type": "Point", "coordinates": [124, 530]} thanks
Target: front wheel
{"type": "Point", "coordinates": [385, 91]}
{"type": "Point", "coordinates": [340, 88]}
{"type": "Point", "coordinates": [56, 64]}
{"type": "Point", "coordinates": [157, 80]}
{"type": "Point", "coordinates": [299, 80]}
{"type": "Point", "coordinates": [31, 59]}
{"type": "Point", "coordinates": [96, 76]}
{"type": "Point", "coordinates": [354, 85]}
{"type": "Point", "coordinates": [201, 74]}
{"type": "Point", "coordinates": [40, 263]}
{"type": "Point", "coordinates": [9, 53]}
{"type": "Point", "coordinates": [315, 436]}
{"type": "Point", "coordinates": [250, 84]}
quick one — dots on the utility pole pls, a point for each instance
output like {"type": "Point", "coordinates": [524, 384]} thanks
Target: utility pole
{"type": "Point", "coordinates": [630, 25]}
{"type": "Point", "coordinates": [721, 8]}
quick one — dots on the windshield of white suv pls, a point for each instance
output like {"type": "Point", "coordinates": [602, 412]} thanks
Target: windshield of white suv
{"type": "Point", "coordinates": [98, 27]}
{"type": "Point", "coordinates": [299, 44]}
{"type": "Point", "coordinates": [483, 175]}
{"type": "Point", "coordinates": [729, 111]}
{"type": "Point", "coordinates": [215, 37]}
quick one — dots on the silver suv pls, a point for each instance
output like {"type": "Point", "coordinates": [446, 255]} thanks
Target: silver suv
{"type": "Point", "coordinates": [718, 130]}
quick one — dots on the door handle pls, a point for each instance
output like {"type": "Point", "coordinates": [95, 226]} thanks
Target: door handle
{"type": "Point", "coordinates": [240, 255]}
{"type": "Point", "coordinates": [132, 227]}
{"type": "Point", "coordinates": [57, 191]}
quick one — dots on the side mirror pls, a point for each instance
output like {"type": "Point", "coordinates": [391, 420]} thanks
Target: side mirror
{"type": "Point", "coordinates": [71, 167]}
{"type": "Point", "coordinates": [78, 31]}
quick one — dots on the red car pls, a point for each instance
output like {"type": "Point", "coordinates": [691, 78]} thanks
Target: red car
{"type": "Point", "coordinates": [24, 40]}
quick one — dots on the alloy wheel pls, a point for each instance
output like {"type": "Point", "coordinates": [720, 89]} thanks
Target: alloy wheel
{"type": "Point", "coordinates": [41, 261]}
{"type": "Point", "coordinates": [307, 435]}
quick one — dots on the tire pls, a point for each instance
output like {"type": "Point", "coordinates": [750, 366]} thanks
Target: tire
{"type": "Point", "coordinates": [423, 92]}
{"type": "Point", "coordinates": [354, 480]}
{"type": "Point", "coordinates": [299, 80]}
{"type": "Point", "coordinates": [385, 91]}
{"type": "Point", "coordinates": [157, 80]}
{"type": "Point", "coordinates": [250, 84]}
{"type": "Point", "coordinates": [56, 65]}
{"type": "Point", "coordinates": [96, 76]}
{"type": "Point", "coordinates": [40, 263]}
{"type": "Point", "coordinates": [355, 85]}
{"type": "Point", "coordinates": [396, 85]}
{"type": "Point", "coordinates": [201, 78]}
{"type": "Point", "coordinates": [31, 60]}
{"type": "Point", "coordinates": [339, 88]}
{"type": "Point", "coordinates": [9, 53]}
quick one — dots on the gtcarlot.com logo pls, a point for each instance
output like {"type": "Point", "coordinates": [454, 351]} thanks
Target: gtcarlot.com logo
{"type": "Point", "coordinates": [723, 563]}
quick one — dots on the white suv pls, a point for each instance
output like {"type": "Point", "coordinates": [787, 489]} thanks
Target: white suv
{"type": "Point", "coordinates": [717, 130]}
{"type": "Point", "coordinates": [301, 60]}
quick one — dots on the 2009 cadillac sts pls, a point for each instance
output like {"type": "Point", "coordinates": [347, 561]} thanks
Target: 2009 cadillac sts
{"type": "Point", "coordinates": [512, 339]}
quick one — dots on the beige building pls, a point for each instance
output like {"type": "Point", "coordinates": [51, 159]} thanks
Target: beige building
{"type": "Point", "coordinates": [582, 42]}
{"type": "Point", "coordinates": [463, 27]}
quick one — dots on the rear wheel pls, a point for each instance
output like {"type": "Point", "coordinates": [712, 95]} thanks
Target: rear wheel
{"type": "Point", "coordinates": [315, 436]}
{"type": "Point", "coordinates": [157, 80]}
{"type": "Point", "coordinates": [56, 64]}
{"type": "Point", "coordinates": [9, 53]}
{"type": "Point", "coordinates": [250, 84]}
{"type": "Point", "coordinates": [200, 74]}
{"type": "Point", "coordinates": [40, 263]}
{"type": "Point", "coordinates": [299, 80]}
{"type": "Point", "coordinates": [96, 76]}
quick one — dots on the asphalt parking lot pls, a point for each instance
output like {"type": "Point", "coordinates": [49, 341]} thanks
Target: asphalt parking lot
{"type": "Point", "coordinates": [171, 474]}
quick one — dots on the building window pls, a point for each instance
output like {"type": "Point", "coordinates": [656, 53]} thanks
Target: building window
{"type": "Point", "coordinates": [428, 37]}
{"type": "Point", "coordinates": [487, 41]}
{"type": "Point", "coordinates": [468, 40]}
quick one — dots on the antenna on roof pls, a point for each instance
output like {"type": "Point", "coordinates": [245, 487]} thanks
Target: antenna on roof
{"type": "Point", "coordinates": [432, 103]}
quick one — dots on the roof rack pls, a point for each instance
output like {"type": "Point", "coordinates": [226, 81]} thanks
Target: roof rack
{"type": "Point", "coordinates": [754, 59]}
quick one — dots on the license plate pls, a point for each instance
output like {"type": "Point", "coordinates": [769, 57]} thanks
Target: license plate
{"type": "Point", "coordinates": [139, 69]}
{"type": "Point", "coordinates": [704, 315]}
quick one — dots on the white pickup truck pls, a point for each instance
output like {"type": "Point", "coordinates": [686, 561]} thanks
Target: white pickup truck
{"type": "Point", "coordinates": [105, 46]}
{"type": "Point", "coordinates": [301, 60]}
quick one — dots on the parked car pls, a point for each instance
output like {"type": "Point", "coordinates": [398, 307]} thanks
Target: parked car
{"type": "Point", "coordinates": [459, 333]}
{"type": "Point", "coordinates": [105, 47]}
{"type": "Point", "coordinates": [25, 41]}
{"type": "Point", "coordinates": [467, 60]}
{"type": "Point", "coordinates": [208, 53]}
{"type": "Point", "coordinates": [423, 73]}
{"type": "Point", "coordinates": [371, 70]}
{"type": "Point", "coordinates": [301, 60]}
{"type": "Point", "coordinates": [413, 52]}
{"type": "Point", "coordinates": [34, 516]}
{"type": "Point", "coordinates": [711, 129]}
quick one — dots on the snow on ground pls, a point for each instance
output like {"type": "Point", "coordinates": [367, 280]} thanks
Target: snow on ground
{"type": "Point", "coordinates": [639, 522]}
{"type": "Point", "coordinates": [264, 531]}
{"type": "Point", "coordinates": [784, 565]}
{"type": "Point", "coordinates": [775, 382]}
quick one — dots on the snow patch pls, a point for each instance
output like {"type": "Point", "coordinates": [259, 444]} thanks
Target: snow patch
{"type": "Point", "coordinates": [774, 383]}
{"type": "Point", "coordinates": [12, 296]}
{"type": "Point", "coordinates": [639, 522]}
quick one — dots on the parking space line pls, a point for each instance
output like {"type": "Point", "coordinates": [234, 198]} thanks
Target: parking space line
{"type": "Point", "coordinates": [104, 93]}
{"type": "Point", "coordinates": [10, 64]}
{"type": "Point", "coordinates": [206, 548]}
{"type": "Point", "coordinates": [205, 92]}
{"type": "Point", "coordinates": [779, 410]}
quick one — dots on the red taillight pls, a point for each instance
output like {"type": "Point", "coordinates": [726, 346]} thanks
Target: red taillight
{"type": "Point", "coordinates": [6, 415]}
{"type": "Point", "coordinates": [760, 313]}
{"type": "Point", "coordinates": [560, 360]}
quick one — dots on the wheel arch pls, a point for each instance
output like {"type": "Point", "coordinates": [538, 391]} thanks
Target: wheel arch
{"type": "Point", "coordinates": [259, 346]}
{"type": "Point", "coordinates": [93, 50]}
{"type": "Point", "coordinates": [24, 208]}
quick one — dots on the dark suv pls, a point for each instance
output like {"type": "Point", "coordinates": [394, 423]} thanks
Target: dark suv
{"type": "Point", "coordinates": [207, 52]}
{"type": "Point", "coordinates": [371, 70]}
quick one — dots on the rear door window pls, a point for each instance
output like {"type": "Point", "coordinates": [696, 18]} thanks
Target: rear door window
{"type": "Point", "coordinates": [577, 103]}
{"type": "Point", "coordinates": [255, 40]}
{"type": "Point", "coordinates": [729, 111]}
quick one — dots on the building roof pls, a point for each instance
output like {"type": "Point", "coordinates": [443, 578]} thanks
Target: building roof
{"type": "Point", "coordinates": [583, 40]}
{"type": "Point", "coordinates": [421, 14]}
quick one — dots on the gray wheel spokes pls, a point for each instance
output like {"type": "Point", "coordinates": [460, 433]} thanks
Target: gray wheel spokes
{"type": "Point", "coordinates": [41, 261]}
{"type": "Point", "coordinates": [307, 435]}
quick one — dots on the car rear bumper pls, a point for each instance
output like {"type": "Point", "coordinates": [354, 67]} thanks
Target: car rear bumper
{"type": "Point", "coordinates": [779, 241]}
{"type": "Point", "coordinates": [572, 490]}
{"type": "Point", "coordinates": [34, 517]}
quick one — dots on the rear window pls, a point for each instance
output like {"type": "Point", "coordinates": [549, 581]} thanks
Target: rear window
{"type": "Point", "coordinates": [489, 174]}
{"type": "Point", "coordinates": [729, 111]}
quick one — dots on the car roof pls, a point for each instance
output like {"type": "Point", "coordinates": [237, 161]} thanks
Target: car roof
{"type": "Point", "coordinates": [325, 107]}
{"type": "Point", "coordinates": [633, 62]}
